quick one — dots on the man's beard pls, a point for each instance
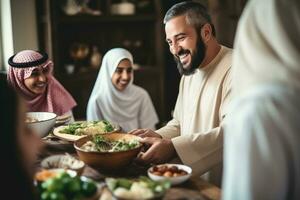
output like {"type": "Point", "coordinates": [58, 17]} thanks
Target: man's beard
{"type": "Point", "coordinates": [197, 59]}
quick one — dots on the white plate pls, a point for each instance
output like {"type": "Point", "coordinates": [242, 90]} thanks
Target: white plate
{"type": "Point", "coordinates": [64, 136]}
{"type": "Point", "coordinates": [72, 138]}
{"type": "Point", "coordinates": [174, 180]}
{"type": "Point", "coordinates": [56, 161]}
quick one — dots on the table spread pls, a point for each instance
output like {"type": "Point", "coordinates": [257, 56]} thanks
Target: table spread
{"type": "Point", "coordinates": [195, 188]}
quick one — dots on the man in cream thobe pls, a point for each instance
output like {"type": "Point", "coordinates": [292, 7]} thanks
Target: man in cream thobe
{"type": "Point", "coordinates": [195, 132]}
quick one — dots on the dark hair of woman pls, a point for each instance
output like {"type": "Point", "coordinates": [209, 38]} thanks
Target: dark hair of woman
{"type": "Point", "coordinates": [17, 182]}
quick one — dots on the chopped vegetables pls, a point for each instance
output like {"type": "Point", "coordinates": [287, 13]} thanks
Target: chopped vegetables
{"type": "Point", "coordinates": [100, 144]}
{"type": "Point", "coordinates": [88, 128]}
{"type": "Point", "coordinates": [142, 188]}
{"type": "Point", "coordinates": [62, 186]}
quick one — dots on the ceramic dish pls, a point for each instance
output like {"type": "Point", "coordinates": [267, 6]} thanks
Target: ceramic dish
{"type": "Point", "coordinates": [175, 173]}
{"type": "Point", "coordinates": [64, 161]}
{"type": "Point", "coordinates": [41, 122]}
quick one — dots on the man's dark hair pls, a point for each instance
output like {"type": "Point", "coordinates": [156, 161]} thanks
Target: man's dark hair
{"type": "Point", "coordinates": [196, 14]}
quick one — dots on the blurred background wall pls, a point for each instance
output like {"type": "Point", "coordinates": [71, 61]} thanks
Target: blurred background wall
{"type": "Point", "coordinates": [31, 25]}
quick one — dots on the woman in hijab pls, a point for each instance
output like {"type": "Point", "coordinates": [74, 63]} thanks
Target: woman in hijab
{"type": "Point", "coordinates": [30, 73]}
{"type": "Point", "coordinates": [262, 134]}
{"type": "Point", "coordinates": [115, 98]}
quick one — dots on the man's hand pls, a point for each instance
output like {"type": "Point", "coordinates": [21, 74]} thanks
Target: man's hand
{"type": "Point", "coordinates": [145, 133]}
{"type": "Point", "coordinates": [160, 151]}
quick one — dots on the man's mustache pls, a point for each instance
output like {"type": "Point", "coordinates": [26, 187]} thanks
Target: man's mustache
{"type": "Point", "coordinates": [182, 52]}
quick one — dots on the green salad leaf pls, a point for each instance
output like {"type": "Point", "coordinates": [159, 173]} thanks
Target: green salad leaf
{"type": "Point", "coordinates": [63, 186]}
{"type": "Point", "coordinates": [87, 128]}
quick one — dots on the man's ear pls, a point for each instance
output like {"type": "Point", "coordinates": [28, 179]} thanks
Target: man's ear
{"type": "Point", "coordinates": [206, 32]}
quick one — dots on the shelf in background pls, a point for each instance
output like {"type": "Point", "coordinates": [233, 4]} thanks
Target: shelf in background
{"type": "Point", "coordinates": [140, 33]}
{"type": "Point", "coordinates": [91, 74]}
{"type": "Point", "coordinates": [106, 18]}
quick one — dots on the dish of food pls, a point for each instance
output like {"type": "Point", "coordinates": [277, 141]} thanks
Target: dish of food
{"type": "Point", "coordinates": [175, 173]}
{"type": "Point", "coordinates": [111, 152]}
{"type": "Point", "coordinates": [41, 122]}
{"type": "Point", "coordinates": [100, 144]}
{"type": "Point", "coordinates": [31, 119]}
{"type": "Point", "coordinates": [77, 130]}
{"type": "Point", "coordinates": [142, 188]}
{"type": "Point", "coordinates": [167, 171]}
{"type": "Point", "coordinates": [46, 174]}
{"type": "Point", "coordinates": [64, 185]}
{"type": "Point", "coordinates": [63, 161]}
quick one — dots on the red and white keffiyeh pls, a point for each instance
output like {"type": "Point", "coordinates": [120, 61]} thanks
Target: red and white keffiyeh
{"type": "Point", "coordinates": [55, 99]}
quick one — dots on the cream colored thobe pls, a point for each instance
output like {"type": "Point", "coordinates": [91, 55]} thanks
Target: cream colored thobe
{"type": "Point", "coordinates": [196, 129]}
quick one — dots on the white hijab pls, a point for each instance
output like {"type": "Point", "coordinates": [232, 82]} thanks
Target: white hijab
{"type": "Point", "coordinates": [122, 107]}
{"type": "Point", "coordinates": [267, 44]}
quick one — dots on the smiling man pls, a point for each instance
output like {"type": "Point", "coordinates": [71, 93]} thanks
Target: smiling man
{"type": "Point", "coordinates": [195, 132]}
{"type": "Point", "coordinates": [31, 74]}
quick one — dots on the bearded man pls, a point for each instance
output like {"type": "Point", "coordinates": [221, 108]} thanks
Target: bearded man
{"type": "Point", "coordinates": [195, 133]}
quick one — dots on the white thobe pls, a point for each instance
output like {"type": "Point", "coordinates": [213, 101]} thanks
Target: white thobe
{"type": "Point", "coordinates": [195, 129]}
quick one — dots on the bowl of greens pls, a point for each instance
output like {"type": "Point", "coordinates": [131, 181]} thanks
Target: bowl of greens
{"type": "Point", "coordinates": [60, 184]}
{"type": "Point", "coordinates": [109, 151]}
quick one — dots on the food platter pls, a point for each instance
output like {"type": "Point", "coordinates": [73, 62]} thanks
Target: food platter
{"type": "Point", "coordinates": [141, 188]}
{"type": "Point", "coordinates": [66, 184]}
{"type": "Point", "coordinates": [62, 134]}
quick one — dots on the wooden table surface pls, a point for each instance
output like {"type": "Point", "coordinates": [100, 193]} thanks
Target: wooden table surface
{"type": "Point", "coordinates": [195, 188]}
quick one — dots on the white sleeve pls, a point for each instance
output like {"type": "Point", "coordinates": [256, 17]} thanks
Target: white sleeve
{"type": "Point", "coordinates": [257, 152]}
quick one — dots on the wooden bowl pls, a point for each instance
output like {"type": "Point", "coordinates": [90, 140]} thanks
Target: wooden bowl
{"type": "Point", "coordinates": [108, 161]}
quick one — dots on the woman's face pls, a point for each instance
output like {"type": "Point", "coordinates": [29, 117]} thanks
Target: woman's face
{"type": "Point", "coordinates": [30, 143]}
{"type": "Point", "coordinates": [37, 82]}
{"type": "Point", "coordinates": [123, 74]}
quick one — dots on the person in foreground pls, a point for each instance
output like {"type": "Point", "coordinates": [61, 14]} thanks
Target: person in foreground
{"type": "Point", "coordinates": [19, 147]}
{"type": "Point", "coordinates": [30, 73]}
{"type": "Point", "coordinates": [195, 132]}
{"type": "Point", "coordinates": [115, 98]}
{"type": "Point", "coordinates": [262, 130]}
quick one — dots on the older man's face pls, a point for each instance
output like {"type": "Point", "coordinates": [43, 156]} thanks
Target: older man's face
{"type": "Point", "coordinates": [187, 48]}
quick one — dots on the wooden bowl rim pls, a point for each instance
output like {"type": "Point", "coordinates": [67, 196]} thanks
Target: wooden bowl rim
{"type": "Point", "coordinates": [87, 138]}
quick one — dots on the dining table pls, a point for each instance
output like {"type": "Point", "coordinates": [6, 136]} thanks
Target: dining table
{"type": "Point", "coordinates": [195, 188]}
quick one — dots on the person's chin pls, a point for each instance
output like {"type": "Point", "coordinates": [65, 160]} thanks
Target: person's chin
{"type": "Point", "coordinates": [186, 66]}
{"type": "Point", "coordinates": [121, 88]}
{"type": "Point", "coordinates": [39, 91]}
